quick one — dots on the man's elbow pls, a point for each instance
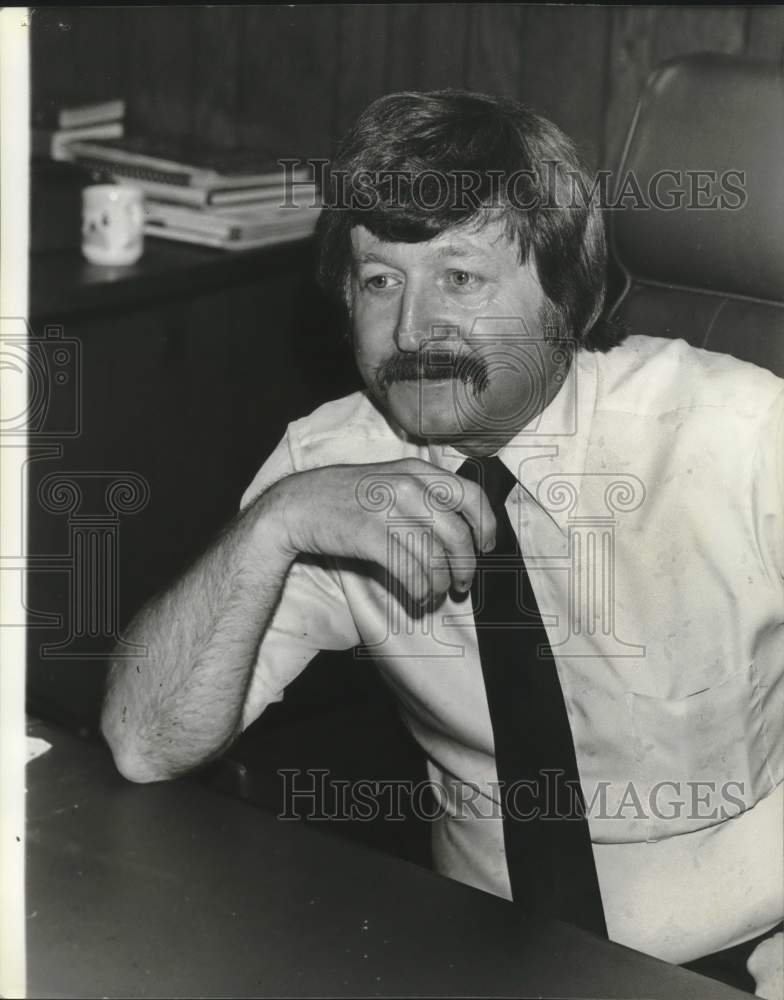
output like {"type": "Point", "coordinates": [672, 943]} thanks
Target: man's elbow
{"type": "Point", "coordinates": [134, 767]}
{"type": "Point", "coordinates": [129, 758]}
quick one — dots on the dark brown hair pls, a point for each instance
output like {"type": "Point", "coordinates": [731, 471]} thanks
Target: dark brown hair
{"type": "Point", "coordinates": [404, 170]}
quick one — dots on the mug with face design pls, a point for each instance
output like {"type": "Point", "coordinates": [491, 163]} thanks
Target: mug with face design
{"type": "Point", "coordinates": [112, 224]}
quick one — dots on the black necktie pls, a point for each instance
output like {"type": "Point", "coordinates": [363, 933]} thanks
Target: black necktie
{"type": "Point", "coordinates": [546, 837]}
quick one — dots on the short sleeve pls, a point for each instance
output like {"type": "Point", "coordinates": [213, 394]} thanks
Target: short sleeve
{"type": "Point", "coordinates": [279, 465]}
{"type": "Point", "coordinates": [312, 614]}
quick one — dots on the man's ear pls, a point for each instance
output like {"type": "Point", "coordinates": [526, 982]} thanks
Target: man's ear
{"type": "Point", "coordinates": [348, 298]}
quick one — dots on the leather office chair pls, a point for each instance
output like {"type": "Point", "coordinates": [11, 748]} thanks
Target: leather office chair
{"type": "Point", "coordinates": [713, 276]}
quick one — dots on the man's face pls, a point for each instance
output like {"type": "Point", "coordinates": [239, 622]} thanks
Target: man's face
{"type": "Point", "coordinates": [449, 337]}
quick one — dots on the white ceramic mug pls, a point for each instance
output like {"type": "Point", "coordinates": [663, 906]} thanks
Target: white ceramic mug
{"type": "Point", "coordinates": [112, 224]}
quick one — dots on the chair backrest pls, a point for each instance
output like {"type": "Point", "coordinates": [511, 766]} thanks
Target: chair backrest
{"type": "Point", "coordinates": [701, 236]}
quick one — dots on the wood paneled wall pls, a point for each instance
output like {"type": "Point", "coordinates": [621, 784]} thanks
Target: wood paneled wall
{"type": "Point", "coordinates": [292, 78]}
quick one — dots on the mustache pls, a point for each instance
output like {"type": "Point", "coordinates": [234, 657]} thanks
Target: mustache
{"type": "Point", "coordinates": [435, 364]}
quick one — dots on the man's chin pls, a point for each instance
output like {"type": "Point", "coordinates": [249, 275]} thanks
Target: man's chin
{"type": "Point", "coordinates": [426, 409]}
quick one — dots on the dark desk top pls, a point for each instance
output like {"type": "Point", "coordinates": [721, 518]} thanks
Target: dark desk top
{"type": "Point", "coordinates": [173, 890]}
{"type": "Point", "coordinates": [63, 283]}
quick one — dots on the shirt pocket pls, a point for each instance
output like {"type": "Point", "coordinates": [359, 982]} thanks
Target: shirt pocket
{"type": "Point", "coordinates": [702, 758]}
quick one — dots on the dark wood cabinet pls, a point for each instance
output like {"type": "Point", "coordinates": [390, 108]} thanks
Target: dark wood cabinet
{"type": "Point", "coordinates": [182, 374]}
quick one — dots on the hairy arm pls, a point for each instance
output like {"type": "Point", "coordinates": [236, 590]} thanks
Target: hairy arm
{"type": "Point", "coordinates": [180, 705]}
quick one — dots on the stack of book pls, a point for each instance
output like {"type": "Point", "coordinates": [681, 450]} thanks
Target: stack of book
{"type": "Point", "coordinates": [233, 199]}
{"type": "Point", "coordinates": [56, 123]}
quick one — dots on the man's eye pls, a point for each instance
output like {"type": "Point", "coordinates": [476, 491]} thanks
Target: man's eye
{"type": "Point", "coordinates": [464, 279]}
{"type": "Point", "coordinates": [379, 282]}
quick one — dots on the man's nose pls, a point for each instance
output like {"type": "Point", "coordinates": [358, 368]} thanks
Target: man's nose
{"type": "Point", "coordinates": [418, 319]}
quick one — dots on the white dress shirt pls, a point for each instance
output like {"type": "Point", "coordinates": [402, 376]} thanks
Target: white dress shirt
{"type": "Point", "coordinates": [650, 513]}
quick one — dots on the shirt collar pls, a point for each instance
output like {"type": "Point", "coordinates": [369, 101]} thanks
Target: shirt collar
{"type": "Point", "coordinates": [547, 457]}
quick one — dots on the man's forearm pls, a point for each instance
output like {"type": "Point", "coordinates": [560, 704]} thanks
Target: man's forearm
{"type": "Point", "coordinates": [180, 705]}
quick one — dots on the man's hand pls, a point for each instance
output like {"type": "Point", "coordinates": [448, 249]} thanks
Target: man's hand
{"type": "Point", "coordinates": [766, 965]}
{"type": "Point", "coordinates": [417, 521]}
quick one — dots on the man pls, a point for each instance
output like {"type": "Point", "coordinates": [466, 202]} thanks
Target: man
{"type": "Point", "coordinates": [630, 491]}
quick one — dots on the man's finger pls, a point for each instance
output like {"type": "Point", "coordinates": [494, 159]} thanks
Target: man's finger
{"type": "Point", "coordinates": [475, 508]}
{"type": "Point", "coordinates": [418, 560]}
{"type": "Point", "coordinates": [457, 539]}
